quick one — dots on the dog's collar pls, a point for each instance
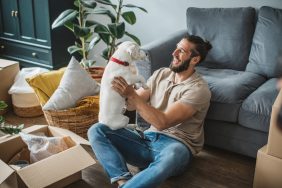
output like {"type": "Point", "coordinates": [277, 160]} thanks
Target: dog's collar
{"type": "Point", "coordinates": [124, 63]}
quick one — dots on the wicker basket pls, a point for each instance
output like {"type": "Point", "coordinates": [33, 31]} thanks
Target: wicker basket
{"type": "Point", "coordinates": [33, 111]}
{"type": "Point", "coordinates": [78, 119]}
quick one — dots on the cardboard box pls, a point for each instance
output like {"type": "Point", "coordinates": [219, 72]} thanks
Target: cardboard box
{"type": "Point", "coordinates": [268, 172]}
{"type": "Point", "coordinates": [57, 170]}
{"type": "Point", "coordinates": [8, 70]}
{"type": "Point", "coordinates": [274, 147]}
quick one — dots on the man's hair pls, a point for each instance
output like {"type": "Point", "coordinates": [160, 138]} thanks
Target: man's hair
{"type": "Point", "coordinates": [202, 47]}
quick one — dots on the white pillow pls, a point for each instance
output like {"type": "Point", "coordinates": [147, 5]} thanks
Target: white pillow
{"type": "Point", "coordinates": [76, 83]}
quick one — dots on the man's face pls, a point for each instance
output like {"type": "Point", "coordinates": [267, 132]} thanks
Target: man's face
{"type": "Point", "coordinates": [182, 56]}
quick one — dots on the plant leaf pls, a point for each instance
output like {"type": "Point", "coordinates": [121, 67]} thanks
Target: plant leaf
{"type": "Point", "coordinates": [117, 30]}
{"type": "Point", "coordinates": [129, 17]}
{"type": "Point", "coordinates": [76, 3]}
{"type": "Point", "coordinates": [105, 37]}
{"type": "Point", "coordinates": [101, 29]}
{"type": "Point", "coordinates": [88, 3]}
{"type": "Point", "coordinates": [133, 37]}
{"type": "Point", "coordinates": [78, 44]}
{"type": "Point", "coordinates": [87, 37]}
{"type": "Point", "coordinates": [81, 31]}
{"type": "Point", "coordinates": [106, 12]}
{"type": "Point", "coordinates": [1, 119]}
{"type": "Point", "coordinates": [66, 16]}
{"type": "Point", "coordinates": [3, 105]}
{"type": "Point", "coordinates": [69, 25]}
{"type": "Point", "coordinates": [90, 23]}
{"type": "Point", "coordinates": [72, 49]}
{"type": "Point", "coordinates": [105, 53]}
{"type": "Point", "coordinates": [134, 6]}
{"type": "Point", "coordinates": [107, 2]}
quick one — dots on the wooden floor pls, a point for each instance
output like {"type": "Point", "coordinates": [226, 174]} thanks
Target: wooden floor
{"type": "Point", "coordinates": [212, 168]}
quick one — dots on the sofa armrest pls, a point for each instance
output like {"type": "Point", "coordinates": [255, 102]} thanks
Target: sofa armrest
{"type": "Point", "coordinates": [159, 51]}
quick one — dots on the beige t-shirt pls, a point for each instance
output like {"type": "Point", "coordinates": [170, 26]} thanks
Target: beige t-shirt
{"type": "Point", "coordinates": [193, 91]}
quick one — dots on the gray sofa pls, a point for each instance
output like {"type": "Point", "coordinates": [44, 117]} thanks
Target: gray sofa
{"type": "Point", "coordinates": [241, 70]}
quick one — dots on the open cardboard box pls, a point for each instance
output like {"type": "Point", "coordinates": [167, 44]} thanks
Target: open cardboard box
{"type": "Point", "coordinates": [57, 170]}
{"type": "Point", "coordinates": [275, 133]}
{"type": "Point", "coordinates": [268, 170]}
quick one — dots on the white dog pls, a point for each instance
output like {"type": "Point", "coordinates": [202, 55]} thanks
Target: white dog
{"type": "Point", "coordinates": [122, 63]}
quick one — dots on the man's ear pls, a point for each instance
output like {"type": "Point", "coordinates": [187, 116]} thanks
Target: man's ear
{"type": "Point", "coordinates": [195, 60]}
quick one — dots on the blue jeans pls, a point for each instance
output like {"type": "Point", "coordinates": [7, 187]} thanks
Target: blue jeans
{"type": "Point", "coordinates": [159, 156]}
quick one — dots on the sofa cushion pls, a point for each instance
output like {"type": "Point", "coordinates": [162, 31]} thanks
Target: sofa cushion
{"type": "Point", "coordinates": [267, 43]}
{"type": "Point", "coordinates": [230, 31]}
{"type": "Point", "coordinates": [256, 109]}
{"type": "Point", "coordinates": [229, 88]}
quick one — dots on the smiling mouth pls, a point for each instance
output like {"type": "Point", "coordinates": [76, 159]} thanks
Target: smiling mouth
{"type": "Point", "coordinates": [175, 61]}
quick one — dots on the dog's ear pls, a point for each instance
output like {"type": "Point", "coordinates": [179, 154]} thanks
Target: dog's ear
{"type": "Point", "coordinates": [133, 50]}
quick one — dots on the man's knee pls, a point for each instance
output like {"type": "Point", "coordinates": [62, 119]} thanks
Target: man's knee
{"type": "Point", "coordinates": [177, 152]}
{"type": "Point", "coordinates": [95, 131]}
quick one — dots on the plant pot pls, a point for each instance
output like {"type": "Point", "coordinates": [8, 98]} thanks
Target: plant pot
{"type": "Point", "coordinates": [96, 72]}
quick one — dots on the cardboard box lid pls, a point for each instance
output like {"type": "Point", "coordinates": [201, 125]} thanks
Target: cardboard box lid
{"type": "Point", "coordinates": [56, 167]}
{"type": "Point", "coordinates": [6, 63]}
{"type": "Point", "coordinates": [5, 171]}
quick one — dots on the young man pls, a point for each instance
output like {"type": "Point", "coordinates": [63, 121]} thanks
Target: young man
{"type": "Point", "coordinates": [175, 105]}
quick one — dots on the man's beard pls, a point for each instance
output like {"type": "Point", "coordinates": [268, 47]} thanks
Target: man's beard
{"type": "Point", "coordinates": [183, 67]}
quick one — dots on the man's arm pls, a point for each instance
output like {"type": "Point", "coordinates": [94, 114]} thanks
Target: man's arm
{"type": "Point", "coordinates": [144, 94]}
{"type": "Point", "coordinates": [175, 114]}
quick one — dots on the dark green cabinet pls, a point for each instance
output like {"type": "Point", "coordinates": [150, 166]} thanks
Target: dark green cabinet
{"type": "Point", "coordinates": [26, 34]}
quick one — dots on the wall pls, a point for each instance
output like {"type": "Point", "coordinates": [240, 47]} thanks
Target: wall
{"type": "Point", "coordinates": [167, 16]}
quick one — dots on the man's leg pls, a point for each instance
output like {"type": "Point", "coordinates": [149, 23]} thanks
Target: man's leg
{"type": "Point", "coordinates": [171, 158]}
{"type": "Point", "coordinates": [113, 148]}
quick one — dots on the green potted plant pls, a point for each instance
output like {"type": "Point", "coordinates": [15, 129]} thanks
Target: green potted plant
{"type": "Point", "coordinates": [109, 33]}
{"type": "Point", "coordinates": [3, 109]}
{"type": "Point", "coordinates": [77, 21]}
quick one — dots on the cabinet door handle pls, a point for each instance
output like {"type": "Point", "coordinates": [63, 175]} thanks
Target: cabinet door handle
{"type": "Point", "coordinates": [34, 54]}
{"type": "Point", "coordinates": [12, 13]}
{"type": "Point", "coordinates": [16, 13]}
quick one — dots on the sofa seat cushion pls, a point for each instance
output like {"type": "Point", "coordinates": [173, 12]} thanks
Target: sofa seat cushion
{"type": "Point", "coordinates": [230, 31]}
{"type": "Point", "coordinates": [256, 109]}
{"type": "Point", "coordinates": [229, 89]}
{"type": "Point", "coordinates": [266, 47]}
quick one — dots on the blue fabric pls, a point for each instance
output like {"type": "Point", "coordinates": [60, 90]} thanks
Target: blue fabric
{"type": "Point", "coordinates": [230, 31]}
{"type": "Point", "coordinates": [229, 89]}
{"type": "Point", "coordinates": [159, 155]}
{"type": "Point", "coordinates": [233, 137]}
{"type": "Point", "coordinates": [256, 109]}
{"type": "Point", "coordinates": [267, 44]}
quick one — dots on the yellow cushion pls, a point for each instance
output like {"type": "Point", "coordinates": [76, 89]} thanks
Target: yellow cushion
{"type": "Point", "coordinates": [45, 84]}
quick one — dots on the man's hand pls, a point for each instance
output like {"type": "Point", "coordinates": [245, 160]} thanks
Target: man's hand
{"type": "Point", "coordinates": [127, 91]}
{"type": "Point", "coordinates": [121, 86]}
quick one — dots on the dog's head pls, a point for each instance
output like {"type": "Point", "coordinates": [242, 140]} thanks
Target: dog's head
{"type": "Point", "coordinates": [129, 51]}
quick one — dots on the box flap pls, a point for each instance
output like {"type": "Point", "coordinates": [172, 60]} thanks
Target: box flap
{"type": "Point", "coordinates": [6, 63]}
{"type": "Point", "coordinates": [5, 171]}
{"type": "Point", "coordinates": [34, 128]}
{"type": "Point", "coordinates": [56, 131]}
{"type": "Point", "coordinates": [56, 167]}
